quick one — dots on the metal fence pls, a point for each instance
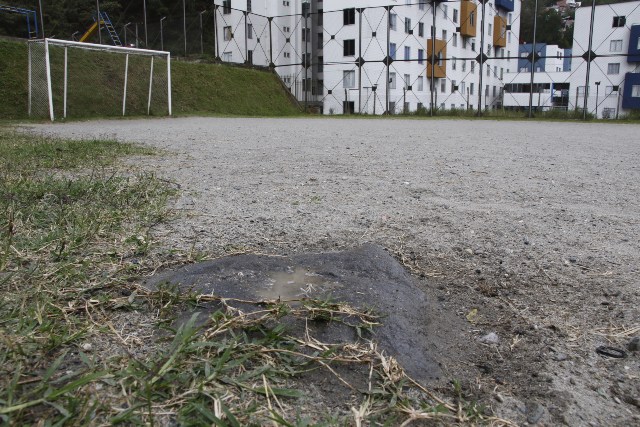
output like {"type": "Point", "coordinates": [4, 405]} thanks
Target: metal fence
{"type": "Point", "coordinates": [418, 57]}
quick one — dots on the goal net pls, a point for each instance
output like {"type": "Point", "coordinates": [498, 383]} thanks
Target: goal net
{"type": "Point", "coordinates": [72, 79]}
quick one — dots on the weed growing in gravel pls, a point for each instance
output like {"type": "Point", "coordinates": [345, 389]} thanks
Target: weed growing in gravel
{"type": "Point", "coordinates": [82, 342]}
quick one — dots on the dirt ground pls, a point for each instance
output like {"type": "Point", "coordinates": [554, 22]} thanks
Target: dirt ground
{"type": "Point", "coordinates": [528, 230]}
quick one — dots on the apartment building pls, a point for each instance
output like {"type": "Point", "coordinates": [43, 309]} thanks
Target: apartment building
{"type": "Point", "coordinates": [551, 58]}
{"type": "Point", "coordinates": [614, 81]}
{"type": "Point", "coordinates": [377, 56]}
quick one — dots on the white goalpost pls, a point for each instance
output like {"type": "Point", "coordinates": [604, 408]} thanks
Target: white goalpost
{"type": "Point", "coordinates": [73, 79]}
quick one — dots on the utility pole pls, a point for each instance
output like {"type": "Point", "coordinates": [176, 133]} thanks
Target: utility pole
{"type": "Point", "coordinates": [161, 34]}
{"type": "Point", "coordinates": [534, 56]}
{"type": "Point", "coordinates": [41, 18]}
{"type": "Point", "coordinates": [589, 59]}
{"type": "Point", "coordinates": [99, 29]}
{"type": "Point", "coordinates": [125, 33]}
{"type": "Point", "coordinates": [184, 25]}
{"type": "Point", "coordinates": [201, 42]}
{"type": "Point", "coordinates": [144, 8]}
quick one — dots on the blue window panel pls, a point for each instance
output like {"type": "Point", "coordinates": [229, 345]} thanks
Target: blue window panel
{"type": "Point", "coordinates": [392, 50]}
{"type": "Point", "coordinates": [507, 5]}
{"type": "Point", "coordinates": [631, 102]}
{"type": "Point", "coordinates": [634, 44]}
{"type": "Point", "coordinates": [407, 52]}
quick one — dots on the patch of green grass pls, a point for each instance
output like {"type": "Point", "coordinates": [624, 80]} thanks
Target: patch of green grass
{"type": "Point", "coordinates": [13, 80]}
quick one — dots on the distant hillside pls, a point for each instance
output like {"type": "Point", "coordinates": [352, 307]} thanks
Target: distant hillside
{"type": "Point", "coordinates": [197, 88]}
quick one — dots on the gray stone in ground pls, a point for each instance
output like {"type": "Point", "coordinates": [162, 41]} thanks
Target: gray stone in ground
{"type": "Point", "coordinates": [634, 344]}
{"type": "Point", "coordinates": [367, 277]}
{"type": "Point", "coordinates": [490, 338]}
{"type": "Point", "coordinates": [535, 412]}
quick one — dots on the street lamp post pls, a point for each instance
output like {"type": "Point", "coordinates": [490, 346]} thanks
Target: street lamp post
{"type": "Point", "coordinates": [161, 34]}
{"type": "Point", "coordinates": [144, 8]}
{"type": "Point", "coordinates": [125, 33]}
{"type": "Point", "coordinates": [201, 42]}
{"type": "Point", "coordinates": [597, 90]}
{"type": "Point", "coordinates": [99, 29]}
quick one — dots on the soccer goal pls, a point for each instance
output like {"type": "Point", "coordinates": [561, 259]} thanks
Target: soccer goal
{"type": "Point", "coordinates": [73, 79]}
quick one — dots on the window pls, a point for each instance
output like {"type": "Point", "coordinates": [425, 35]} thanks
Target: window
{"type": "Point", "coordinates": [228, 35]}
{"type": "Point", "coordinates": [287, 54]}
{"type": "Point", "coordinates": [407, 52]}
{"type": "Point", "coordinates": [619, 21]}
{"type": "Point", "coordinates": [443, 85]}
{"type": "Point", "coordinates": [615, 46]}
{"type": "Point", "coordinates": [407, 26]}
{"type": "Point", "coordinates": [349, 79]}
{"type": "Point", "coordinates": [509, 37]}
{"type": "Point", "coordinates": [501, 73]}
{"type": "Point", "coordinates": [490, 27]}
{"type": "Point", "coordinates": [580, 90]}
{"type": "Point", "coordinates": [638, 46]}
{"type": "Point", "coordinates": [455, 40]}
{"type": "Point", "coordinates": [444, 35]}
{"type": "Point", "coordinates": [227, 56]}
{"type": "Point", "coordinates": [454, 61]}
{"type": "Point", "coordinates": [471, 86]}
{"type": "Point", "coordinates": [421, 29]}
{"type": "Point", "coordinates": [392, 80]}
{"type": "Point", "coordinates": [473, 45]}
{"type": "Point", "coordinates": [420, 84]}
{"type": "Point", "coordinates": [249, 57]}
{"type": "Point", "coordinates": [609, 90]}
{"type": "Point", "coordinates": [248, 5]}
{"type": "Point", "coordinates": [392, 50]}
{"type": "Point", "coordinates": [495, 91]}
{"type": "Point", "coordinates": [320, 17]}
{"type": "Point", "coordinates": [349, 47]}
{"type": "Point", "coordinates": [226, 7]}
{"type": "Point", "coordinates": [393, 21]}
{"type": "Point", "coordinates": [454, 87]}
{"type": "Point", "coordinates": [349, 16]}
{"type": "Point", "coordinates": [510, 18]}
{"type": "Point", "coordinates": [464, 66]}
{"type": "Point", "coordinates": [472, 18]}
{"type": "Point", "coordinates": [420, 56]}
{"type": "Point", "coordinates": [285, 3]}
{"type": "Point", "coordinates": [249, 31]}
{"type": "Point", "coordinates": [306, 34]}
{"type": "Point", "coordinates": [508, 56]}
{"type": "Point", "coordinates": [488, 70]}
{"type": "Point", "coordinates": [407, 81]}
{"type": "Point", "coordinates": [635, 91]}
{"type": "Point", "coordinates": [455, 16]}
{"type": "Point", "coordinates": [320, 40]}
{"type": "Point", "coordinates": [421, 4]}
{"type": "Point", "coordinates": [613, 68]}
{"type": "Point", "coordinates": [473, 67]}
{"type": "Point", "coordinates": [445, 11]}
{"type": "Point", "coordinates": [321, 64]}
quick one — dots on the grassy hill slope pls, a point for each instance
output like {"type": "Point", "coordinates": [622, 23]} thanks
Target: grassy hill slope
{"type": "Point", "coordinates": [96, 86]}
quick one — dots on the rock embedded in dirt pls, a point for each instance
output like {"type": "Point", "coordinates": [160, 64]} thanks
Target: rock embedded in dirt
{"type": "Point", "coordinates": [634, 344]}
{"type": "Point", "coordinates": [490, 338]}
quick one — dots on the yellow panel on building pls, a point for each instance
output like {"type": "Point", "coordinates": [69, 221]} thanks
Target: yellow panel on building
{"type": "Point", "coordinates": [499, 31]}
{"type": "Point", "coordinates": [440, 69]}
{"type": "Point", "coordinates": [468, 18]}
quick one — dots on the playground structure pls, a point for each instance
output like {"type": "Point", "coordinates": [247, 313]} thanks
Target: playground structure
{"type": "Point", "coordinates": [31, 16]}
{"type": "Point", "coordinates": [102, 22]}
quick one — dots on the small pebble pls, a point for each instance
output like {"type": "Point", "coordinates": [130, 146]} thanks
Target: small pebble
{"type": "Point", "coordinates": [490, 338]}
{"type": "Point", "coordinates": [634, 344]}
{"type": "Point", "coordinates": [87, 347]}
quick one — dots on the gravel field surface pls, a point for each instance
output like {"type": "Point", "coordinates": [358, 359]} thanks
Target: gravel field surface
{"type": "Point", "coordinates": [528, 230]}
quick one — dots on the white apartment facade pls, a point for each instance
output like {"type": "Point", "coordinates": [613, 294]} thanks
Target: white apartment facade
{"type": "Point", "coordinates": [374, 56]}
{"type": "Point", "coordinates": [614, 82]}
